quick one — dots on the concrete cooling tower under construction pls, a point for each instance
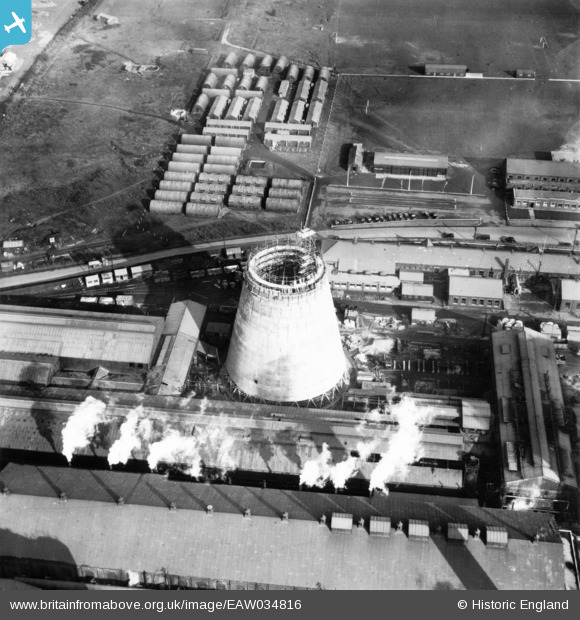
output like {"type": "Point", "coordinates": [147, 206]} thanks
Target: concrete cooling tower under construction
{"type": "Point", "coordinates": [286, 346]}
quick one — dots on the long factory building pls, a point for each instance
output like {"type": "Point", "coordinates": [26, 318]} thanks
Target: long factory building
{"type": "Point", "coordinates": [268, 440]}
{"type": "Point", "coordinates": [535, 447]}
{"type": "Point", "coordinates": [346, 257]}
{"type": "Point", "coordinates": [76, 526]}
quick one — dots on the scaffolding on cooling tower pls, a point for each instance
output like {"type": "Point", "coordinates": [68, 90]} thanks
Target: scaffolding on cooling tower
{"type": "Point", "coordinates": [284, 268]}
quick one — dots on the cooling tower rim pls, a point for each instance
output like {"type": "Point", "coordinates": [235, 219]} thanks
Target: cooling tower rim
{"type": "Point", "coordinates": [263, 279]}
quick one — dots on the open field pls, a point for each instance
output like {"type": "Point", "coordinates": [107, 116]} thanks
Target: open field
{"type": "Point", "coordinates": [489, 36]}
{"type": "Point", "coordinates": [380, 36]}
{"type": "Point", "coordinates": [82, 138]}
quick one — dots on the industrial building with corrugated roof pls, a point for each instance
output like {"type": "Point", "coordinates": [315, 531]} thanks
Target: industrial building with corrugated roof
{"type": "Point", "coordinates": [536, 452]}
{"type": "Point", "coordinates": [570, 295]}
{"type": "Point", "coordinates": [181, 335]}
{"type": "Point", "coordinates": [80, 340]}
{"type": "Point", "coordinates": [69, 526]}
{"type": "Point", "coordinates": [559, 176]}
{"type": "Point", "coordinates": [267, 440]}
{"type": "Point", "coordinates": [410, 165]}
{"type": "Point", "coordinates": [475, 292]}
{"type": "Point", "coordinates": [389, 258]}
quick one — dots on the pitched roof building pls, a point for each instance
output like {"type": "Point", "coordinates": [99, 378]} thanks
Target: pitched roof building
{"type": "Point", "coordinates": [227, 537]}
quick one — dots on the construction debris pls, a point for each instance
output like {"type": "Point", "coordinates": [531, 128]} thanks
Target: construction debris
{"type": "Point", "coordinates": [132, 67]}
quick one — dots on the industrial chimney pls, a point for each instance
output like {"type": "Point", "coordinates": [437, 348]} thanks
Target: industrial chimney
{"type": "Point", "coordinates": [286, 346]}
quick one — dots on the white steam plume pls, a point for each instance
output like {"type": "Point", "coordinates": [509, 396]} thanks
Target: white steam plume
{"type": "Point", "coordinates": [404, 446]}
{"type": "Point", "coordinates": [134, 432]}
{"type": "Point", "coordinates": [82, 426]}
{"type": "Point", "coordinates": [209, 446]}
{"type": "Point", "coordinates": [176, 449]}
{"type": "Point", "coordinates": [316, 472]}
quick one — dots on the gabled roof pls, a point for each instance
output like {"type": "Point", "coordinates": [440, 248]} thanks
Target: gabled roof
{"type": "Point", "coordinates": [265, 549]}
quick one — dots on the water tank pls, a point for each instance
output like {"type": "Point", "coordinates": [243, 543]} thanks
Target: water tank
{"type": "Point", "coordinates": [281, 65]}
{"type": "Point", "coordinates": [180, 166]}
{"type": "Point", "coordinates": [195, 138]}
{"type": "Point", "coordinates": [308, 73]}
{"type": "Point", "coordinates": [202, 209]}
{"type": "Point", "coordinates": [210, 81]}
{"type": "Point", "coordinates": [279, 192]}
{"type": "Point", "coordinates": [229, 82]}
{"type": "Point", "coordinates": [265, 65]}
{"type": "Point", "coordinates": [285, 345]}
{"type": "Point", "coordinates": [201, 104]}
{"type": "Point", "coordinates": [177, 186]}
{"type": "Point", "coordinates": [180, 176]}
{"type": "Point", "coordinates": [192, 149]}
{"type": "Point", "coordinates": [282, 204]}
{"type": "Point", "coordinates": [295, 183]}
{"type": "Point", "coordinates": [231, 60]}
{"type": "Point", "coordinates": [190, 158]}
{"type": "Point", "coordinates": [262, 84]}
{"type": "Point", "coordinates": [239, 201]}
{"type": "Point", "coordinates": [293, 73]}
{"type": "Point", "coordinates": [249, 61]}
{"type": "Point", "coordinates": [219, 106]}
{"type": "Point", "coordinates": [166, 206]}
{"type": "Point", "coordinates": [245, 83]}
{"type": "Point", "coordinates": [162, 194]}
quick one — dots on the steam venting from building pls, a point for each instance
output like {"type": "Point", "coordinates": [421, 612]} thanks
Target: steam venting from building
{"type": "Point", "coordinates": [82, 425]}
{"type": "Point", "coordinates": [286, 345]}
{"type": "Point", "coordinates": [136, 431]}
{"type": "Point", "coordinates": [404, 447]}
{"type": "Point", "coordinates": [211, 444]}
{"type": "Point", "coordinates": [319, 471]}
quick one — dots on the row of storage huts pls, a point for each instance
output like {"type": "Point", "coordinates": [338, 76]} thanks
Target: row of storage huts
{"type": "Point", "coordinates": [207, 194]}
{"type": "Point", "coordinates": [266, 66]}
{"type": "Point", "coordinates": [199, 163]}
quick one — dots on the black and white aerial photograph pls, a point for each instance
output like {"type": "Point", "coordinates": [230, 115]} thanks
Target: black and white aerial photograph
{"type": "Point", "coordinates": [290, 298]}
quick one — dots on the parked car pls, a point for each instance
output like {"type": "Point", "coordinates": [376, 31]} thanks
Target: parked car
{"type": "Point", "coordinates": [448, 235]}
{"type": "Point", "coordinates": [507, 239]}
{"type": "Point", "coordinates": [482, 237]}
